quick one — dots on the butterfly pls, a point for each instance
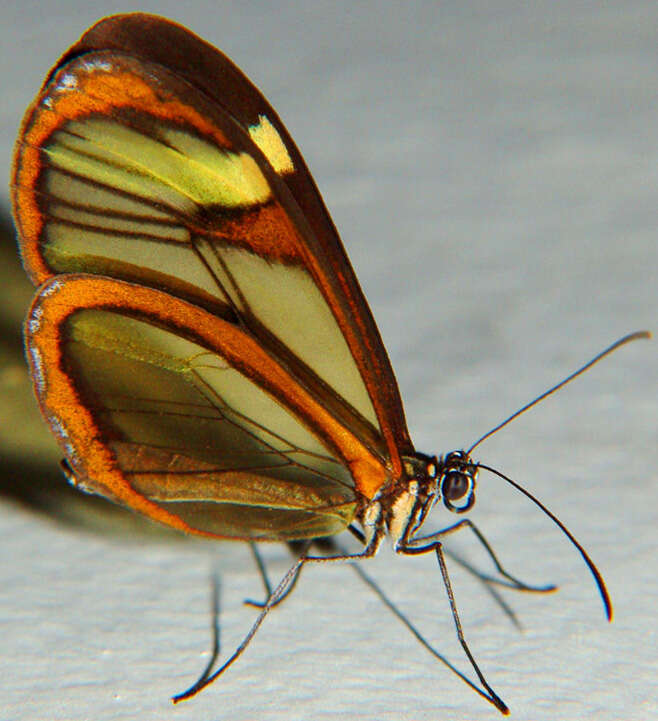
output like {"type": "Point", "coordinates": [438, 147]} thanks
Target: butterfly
{"type": "Point", "coordinates": [199, 343]}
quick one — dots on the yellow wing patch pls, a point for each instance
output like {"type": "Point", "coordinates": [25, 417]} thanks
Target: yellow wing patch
{"type": "Point", "coordinates": [266, 137]}
{"type": "Point", "coordinates": [182, 171]}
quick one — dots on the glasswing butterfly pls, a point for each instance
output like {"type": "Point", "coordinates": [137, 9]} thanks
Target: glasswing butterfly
{"type": "Point", "coordinates": [199, 343]}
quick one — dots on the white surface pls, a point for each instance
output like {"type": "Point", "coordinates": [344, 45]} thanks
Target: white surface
{"type": "Point", "coordinates": [493, 176]}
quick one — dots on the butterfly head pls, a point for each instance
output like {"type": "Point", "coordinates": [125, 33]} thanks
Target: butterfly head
{"type": "Point", "coordinates": [450, 478]}
{"type": "Point", "coordinates": [456, 476]}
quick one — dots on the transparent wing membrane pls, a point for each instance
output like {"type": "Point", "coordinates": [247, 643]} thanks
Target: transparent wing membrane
{"type": "Point", "coordinates": [187, 429]}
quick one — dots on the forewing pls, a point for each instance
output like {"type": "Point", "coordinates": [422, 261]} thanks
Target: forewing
{"type": "Point", "coordinates": [183, 178]}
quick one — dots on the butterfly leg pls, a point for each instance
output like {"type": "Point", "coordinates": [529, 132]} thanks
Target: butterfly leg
{"type": "Point", "coordinates": [437, 547]}
{"type": "Point", "coordinates": [489, 695]}
{"type": "Point", "coordinates": [277, 595]}
{"type": "Point", "coordinates": [489, 584]}
{"type": "Point", "coordinates": [297, 548]}
{"type": "Point", "coordinates": [511, 581]}
{"type": "Point", "coordinates": [273, 599]}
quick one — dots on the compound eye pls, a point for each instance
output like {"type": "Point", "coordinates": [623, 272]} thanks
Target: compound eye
{"type": "Point", "coordinates": [456, 486]}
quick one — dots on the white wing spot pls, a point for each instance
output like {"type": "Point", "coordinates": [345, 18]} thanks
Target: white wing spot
{"type": "Point", "coordinates": [91, 65]}
{"type": "Point", "coordinates": [38, 375]}
{"type": "Point", "coordinates": [67, 82]}
{"type": "Point", "coordinates": [34, 323]}
{"type": "Point", "coordinates": [51, 288]}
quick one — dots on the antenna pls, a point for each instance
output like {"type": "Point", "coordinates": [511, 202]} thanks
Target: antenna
{"type": "Point", "coordinates": [617, 344]}
{"type": "Point", "coordinates": [605, 596]}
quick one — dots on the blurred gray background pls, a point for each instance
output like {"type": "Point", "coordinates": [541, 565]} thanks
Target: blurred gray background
{"type": "Point", "coordinates": [493, 176]}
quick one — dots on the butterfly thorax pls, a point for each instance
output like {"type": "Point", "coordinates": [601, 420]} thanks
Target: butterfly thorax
{"type": "Point", "coordinates": [400, 510]}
